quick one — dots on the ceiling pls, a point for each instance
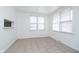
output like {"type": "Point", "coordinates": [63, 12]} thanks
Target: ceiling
{"type": "Point", "coordinates": [37, 9]}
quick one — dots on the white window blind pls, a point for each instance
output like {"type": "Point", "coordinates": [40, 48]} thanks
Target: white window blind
{"type": "Point", "coordinates": [66, 20]}
{"type": "Point", "coordinates": [40, 23]}
{"type": "Point", "coordinates": [62, 21]}
{"type": "Point", "coordinates": [33, 19]}
{"type": "Point", "coordinates": [56, 20]}
{"type": "Point", "coordinates": [37, 23]}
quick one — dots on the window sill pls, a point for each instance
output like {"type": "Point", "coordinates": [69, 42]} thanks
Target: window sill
{"type": "Point", "coordinates": [63, 32]}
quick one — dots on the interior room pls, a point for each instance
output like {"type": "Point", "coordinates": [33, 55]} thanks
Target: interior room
{"type": "Point", "coordinates": [39, 29]}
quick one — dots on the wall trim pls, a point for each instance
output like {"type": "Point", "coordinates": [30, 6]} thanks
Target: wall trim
{"type": "Point", "coordinates": [65, 44]}
{"type": "Point", "coordinates": [31, 38]}
{"type": "Point", "coordinates": [11, 42]}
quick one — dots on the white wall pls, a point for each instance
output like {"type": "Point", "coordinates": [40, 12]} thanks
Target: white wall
{"type": "Point", "coordinates": [23, 26]}
{"type": "Point", "coordinates": [7, 36]}
{"type": "Point", "coordinates": [71, 40]}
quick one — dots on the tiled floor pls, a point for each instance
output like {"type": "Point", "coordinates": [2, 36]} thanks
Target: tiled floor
{"type": "Point", "coordinates": [39, 45]}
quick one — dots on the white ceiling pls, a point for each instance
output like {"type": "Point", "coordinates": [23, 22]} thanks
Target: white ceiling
{"type": "Point", "coordinates": [37, 9]}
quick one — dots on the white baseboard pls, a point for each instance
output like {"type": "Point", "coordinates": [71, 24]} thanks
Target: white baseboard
{"type": "Point", "coordinates": [11, 42]}
{"type": "Point", "coordinates": [64, 43]}
{"type": "Point", "coordinates": [31, 37]}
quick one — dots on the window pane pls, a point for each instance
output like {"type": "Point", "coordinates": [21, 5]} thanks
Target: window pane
{"type": "Point", "coordinates": [40, 19]}
{"type": "Point", "coordinates": [33, 20]}
{"type": "Point", "coordinates": [40, 26]}
{"type": "Point", "coordinates": [66, 15]}
{"type": "Point", "coordinates": [33, 27]}
{"type": "Point", "coordinates": [67, 27]}
{"type": "Point", "coordinates": [56, 18]}
{"type": "Point", "coordinates": [56, 27]}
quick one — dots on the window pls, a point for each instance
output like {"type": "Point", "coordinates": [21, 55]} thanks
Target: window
{"type": "Point", "coordinates": [66, 21]}
{"type": "Point", "coordinates": [63, 21]}
{"type": "Point", "coordinates": [33, 25]}
{"type": "Point", "coordinates": [56, 20]}
{"type": "Point", "coordinates": [36, 23]}
{"type": "Point", "coordinates": [40, 23]}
